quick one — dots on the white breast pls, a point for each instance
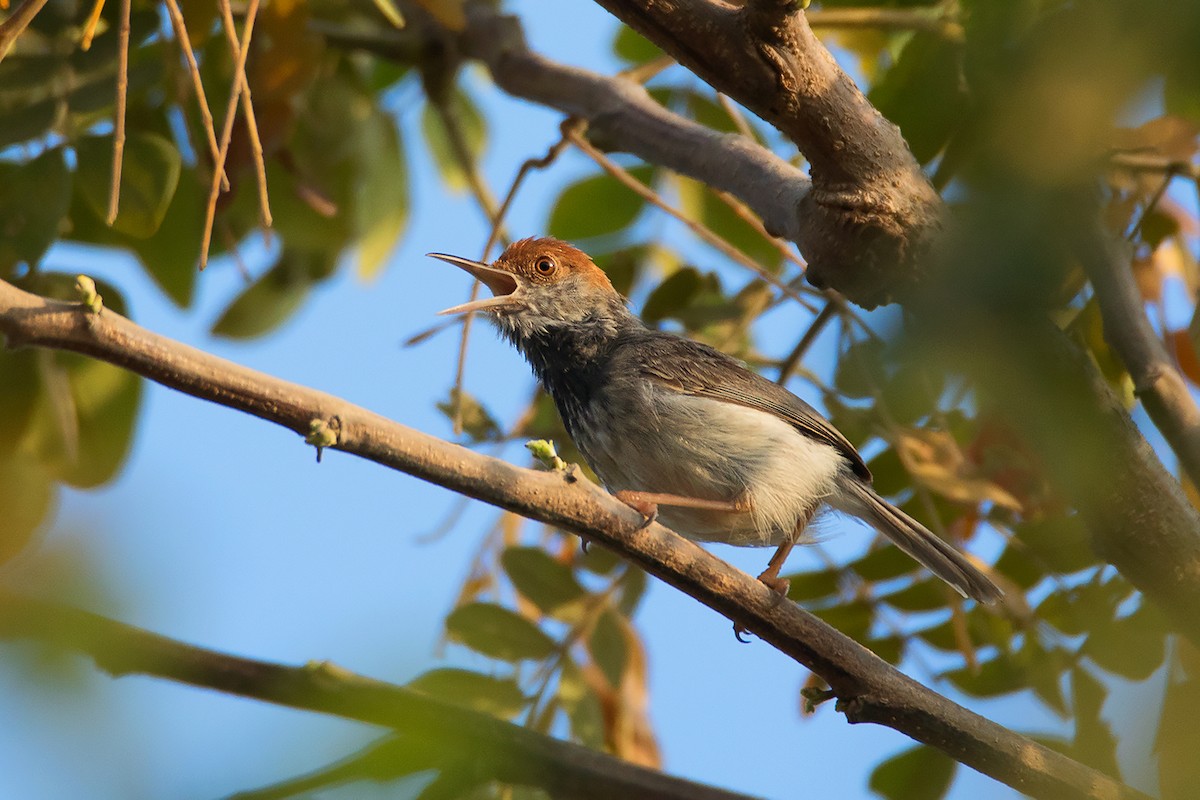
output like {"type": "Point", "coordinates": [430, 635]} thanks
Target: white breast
{"type": "Point", "coordinates": [714, 450]}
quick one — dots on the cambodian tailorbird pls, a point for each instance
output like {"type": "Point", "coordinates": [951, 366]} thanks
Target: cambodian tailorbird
{"type": "Point", "coordinates": [681, 431]}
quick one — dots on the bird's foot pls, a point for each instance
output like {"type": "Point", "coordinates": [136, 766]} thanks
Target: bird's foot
{"type": "Point", "coordinates": [647, 508]}
{"type": "Point", "coordinates": [770, 578]}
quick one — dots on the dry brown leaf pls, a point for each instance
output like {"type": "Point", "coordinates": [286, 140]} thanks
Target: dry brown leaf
{"type": "Point", "coordinates": [1174, 138]}
{"type": "Point", "coordinates": [1185, 354]}
{"type": "Point", "coordinates": [935, 461]}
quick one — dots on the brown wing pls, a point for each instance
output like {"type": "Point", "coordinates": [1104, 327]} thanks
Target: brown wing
{"type": "Point", "coordinates": [697, 369]}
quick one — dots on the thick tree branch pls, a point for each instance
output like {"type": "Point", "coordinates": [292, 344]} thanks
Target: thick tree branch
{"type": "Point", "coordinates": [869, 689]}
{"type": "Point", "coordinates": [437, 734]}
{"type": "Point", "coordinates": [1156, 379]}
{"type": "Point", "coordinates": [871, 213]}
{"type": "Point", "coordinates": [625, 117]}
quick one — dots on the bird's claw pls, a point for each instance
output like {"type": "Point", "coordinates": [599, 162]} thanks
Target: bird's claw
{"type": "Point", "coordinates": [738, 630]}
{"type": "Point", "coordinates": [648, 510]}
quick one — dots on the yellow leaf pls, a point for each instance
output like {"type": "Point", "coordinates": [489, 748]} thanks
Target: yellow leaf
{"type": "Point", "coordinates": [935, 461]}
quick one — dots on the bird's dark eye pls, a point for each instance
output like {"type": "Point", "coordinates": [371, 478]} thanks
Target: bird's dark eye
{"type": "Point", "coordinates": [544, 265]}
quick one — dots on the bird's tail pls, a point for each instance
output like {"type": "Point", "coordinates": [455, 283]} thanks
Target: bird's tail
{"type": "Point", "coordinates": [938, 556]}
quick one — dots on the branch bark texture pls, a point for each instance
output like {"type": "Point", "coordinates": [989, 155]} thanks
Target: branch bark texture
{"type": "Point", "coordinates": [868, 689]}
{"type": "Point", "coordinates": [871, 213]}
{"type": "Point", "coordinates": [436, 731]}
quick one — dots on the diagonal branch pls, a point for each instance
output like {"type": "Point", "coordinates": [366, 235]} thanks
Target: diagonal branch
{"type": "Point", "coordinates": [623, 114]}
{"type": "Point", "coordinates": [868, 689]}
{"type": "Point", "coordinates": [1156, 379]}
{"type": "Point", "coordinates": [437, 734]}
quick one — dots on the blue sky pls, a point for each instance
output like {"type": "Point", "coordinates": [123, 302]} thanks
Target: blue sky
{"type": "Point", "coordinates": [222, 531]}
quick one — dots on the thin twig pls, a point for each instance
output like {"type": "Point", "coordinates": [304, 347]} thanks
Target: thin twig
{"type": "Point", "coordinates": [902, 19]}
{"type": "Point", "coordinates": [185, 45]}
{"type": "Point", "coordinates": [819, 322]}
{"type": "Point", "coordinates": [89, 27]}
{"type": "Point", "coordinates": [239, 77]}
{"type": "Point", "coordinates": [1151, 204]}
{"type": "Point", "coordinates": [696, 227]}
{"type": "Point", "coordinates": [114, 197]}
{"type": "Point", "coordinates": [459, 146]}
{"type": "Point", "coordinates": [12, 27]}
{"type": "Point", "coordinates": [260, 168]}
{"type": "Point", "coordinates": [739, 119]}
{"type": "Point", "coordinates": [744, 213]}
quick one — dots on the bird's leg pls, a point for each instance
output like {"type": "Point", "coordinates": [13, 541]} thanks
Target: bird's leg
{"type": "Point", "coordinates": [770, 575]}
{"type": "Point", "coordinates": [647, 503]}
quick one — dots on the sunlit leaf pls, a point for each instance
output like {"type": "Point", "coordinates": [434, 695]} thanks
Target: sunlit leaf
{"type": "Point", "coordinates": [596, 206]}
{"type": "Point", "coordinates": [884, 563]}
{"type": "Point", "coordinates": [500, 697]}
{"type": "Point", "coordinates": [923, 595]}
{"type": "Point", "coordinates": [381, 205]}
{"type": "Point", "coordinates": [630, 46]}
{"type": "Point", "coordinates": [1133, 646]}
{"type": "Point", "coordinates": [498, 632]}
{"type": "Point", "coordinates": [26, 495]}
{"type": "Point", "coordinates": [852, 619]}
{"type": "Point", "coordinates": [998, 676]}
{"type": "Point", "coordinates": [471, 126]}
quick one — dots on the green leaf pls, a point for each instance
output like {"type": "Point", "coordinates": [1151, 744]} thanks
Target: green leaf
{"type": "Point", "coordinates": [274, 297]}
{"type": "Point", "coordinates": [498, 632]}
{"type": "Point", "coordinates": [700, 203]}
{"type": "Point", "coordinates": [815, 585]}
{"type": "Point", "coordinates": [26, 495]}
{"type": "Point", "coordinates": [884, 563]}
{"type": "Point", "coordinates": [860, 370]}
{"type": "Point", "coordinates": [83, 425]}
{"type": "Point", "coordinates": [852, 619]}
{"type": "Point", "coordinates": [171, 255]}
{"type": "Point", "coordinates": [999, 676]}
{"type": "Point", "coordinates": [596, 206]}
{"type": "Point", "coordinates": [582, 707]}
{"type": "Point", "coordinates": [473, 128]}
{"type": "Point", "coordinates": [544, 581]}
{"type": "Point", "coordinates": [923, 595]}
{"type": "Point", "coordinates": [29, 121]}
{"type": "Point", "coordinates": [889, 648]}
{"type": "Point", "coordinates": [924, 93]}
{"type": "Point", "coordinates": [19, 396]}
{"type": "Point", "coordinates": [1061, 543]}
{"type": "Point", "coordinates": [34, 198]}
{"type": "Point", "coordinates": [609, 648]}
{"type": "Point", "coordinates": [1094, 742]}
{"type": "Point", "coordinates": [919, 773]}
{"type": "Point", "coordinates": [381, 204]}
{"type": "Point", "coordinates": [500, 697]}
{"type": "Point", "coordinates": [672, 295]}
{"type": "Point", "coordinates": [633, 48]}
{"type": "Point", "coordinates": [477, 422]}
{"type": "Point", "coordinates": [1178, 737]}
{"type": "Point", "coordinates": [149, 175]}
{"type": "Point", "coordinates": [1133, 646]}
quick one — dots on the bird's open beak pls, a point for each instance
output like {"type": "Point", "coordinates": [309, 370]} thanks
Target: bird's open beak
{"type": "Point", "coordinates": [502, 283]}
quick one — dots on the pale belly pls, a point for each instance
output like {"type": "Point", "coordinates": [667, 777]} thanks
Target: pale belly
{"type": "Point", "coordinates": [711, 450]}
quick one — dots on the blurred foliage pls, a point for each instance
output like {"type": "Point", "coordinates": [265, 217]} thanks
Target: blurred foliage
{"type": "Point", "coordinates": [1011, 105]}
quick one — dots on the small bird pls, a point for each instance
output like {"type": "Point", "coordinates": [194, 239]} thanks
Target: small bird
{"type": "Point", "coordinates": [680, 431]}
